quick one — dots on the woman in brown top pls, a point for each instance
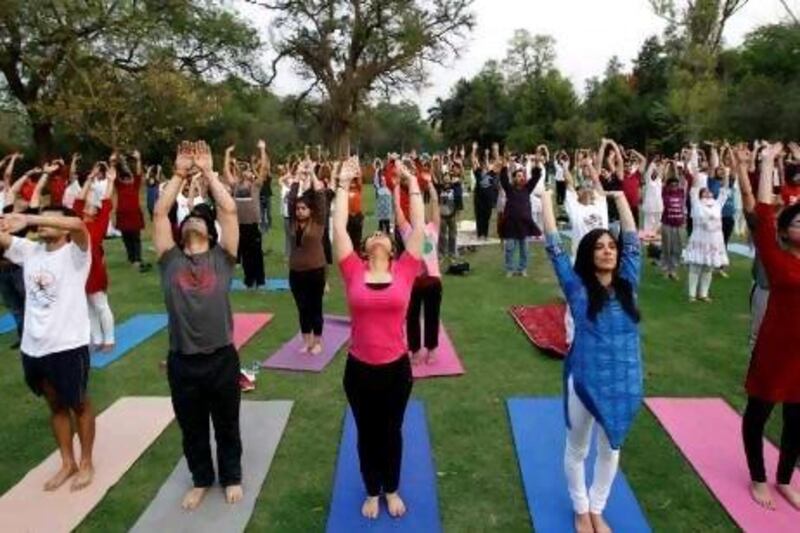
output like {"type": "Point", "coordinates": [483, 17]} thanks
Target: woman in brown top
{"type": "Point", "coordinates": [245, 184]}
{"type": "Point", "coordinates": [308, 213]}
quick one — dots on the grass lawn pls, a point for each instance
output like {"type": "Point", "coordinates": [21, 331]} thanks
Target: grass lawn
{"type": "Point", "coordinates": [697, 350]}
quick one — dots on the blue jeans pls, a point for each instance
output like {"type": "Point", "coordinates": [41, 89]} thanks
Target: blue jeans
{"type": "Point", "coordinates": [12, 292]}
{"type": "Point", "coordinates": [511, 246]}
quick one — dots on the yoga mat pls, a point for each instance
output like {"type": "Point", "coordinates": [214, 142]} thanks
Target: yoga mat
{"type": "Point", "coordinates": [130, 334]}
{"type": "Point", "coordinates": [277, 284]}
{"type": "Point", "coordinates": [262, 425]}
{"type": "Point", "coordinates": [709, 433]}
{"type": "Point", "coordinates": [447, 362]}
{"type": "Point", "coordinates": [7, 324]}
{"type": "Point", "coordinates": [539, 438]}
{"type": "Point", "coordinates": [417, 482]}
{"type": "Point", "coordinates": [741, 249]}
{"type": "Point", "coordinates": [544, 326]}
{"type": "Point", "coordinates": [124, 431]}
{"type": "Point", "coordinates": [246, 325]}
{"type": "Point", "coordinates": [335, 333]}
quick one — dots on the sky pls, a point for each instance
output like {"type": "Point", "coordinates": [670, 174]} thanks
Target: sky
{"type": "Point", "coordinates": [587, 32]}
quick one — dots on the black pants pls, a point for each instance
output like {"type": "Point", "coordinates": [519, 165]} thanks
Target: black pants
{"type": "Point", "coordinates": [355, 229]}
{"type": "Point", "coordinates": [561, 192]}
{"type": "Point", "coordinates": [251, 255]}
{"type": "Point", "coordinates": [326, 244]}
{"type": "Point", "coordinates": [753, 422]}
{"type": "Point", "coordinates": [689, 226]}
{"type": "Point", "coordinates": [133, 245]}
{"type": "Point", "coordinates": [427, 291]}
{"type": "Point", "coordinates": [378, 395]}
{"type": "Point", "coordinates": [399, 245]}
{"type": "Point", "coordinates": [308, 287]}
{"type": "Point", "coordinates": [204, 385]}
{"type": "Point", "coordinates": [727, 228]}
{"type": "Point", "coordinates": [483, 214]}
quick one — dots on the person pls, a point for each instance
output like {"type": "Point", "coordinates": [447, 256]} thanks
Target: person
{"type": "Point", "coordinates": [673, 218]}
{"type": "Point", "coordinates": [355, 221]}
{"type": "Point", "coordinates": [377, 377]}
{"type": "Point", "coordinates": [611, 177]}
{"type": "Point", "coordinates": [586, 207]}
{"type": "Point", "coordinates": [448, 198]}
{"type": "Point", "coordinates": [560, 161]}
{"type": "Point", "coordinates": [427, 290]}
{"type": "Point", "coordinates": [774, 372]}
{"type": "Point", "coordinates": [653, 203]}
{"type": "Point", "coordinates": [719, 178]}
{"type": "Point", "coordinates": [286, 173]}
{"type": "Point", "coordinates": [307, 262]}
{"type": "Point", "coordinates": [74, 187]}
{"type": "Point", "coordinates": [12, 283]}
{"type": "Point", "coordinates": [383, 207]}
{"type": "Point", "coordinates": [705, 251]}
{"type": "Point", "coordinates": [518, 223]}
{"type": "Point", "coordinates": [603, 369]}
{"type": "Point", "coordinates": [55, 339]}
{"type": "Point", "coordinates": [484, 194]}
{"type": "Point", "coordinates": [96, 214]}
{"type": "Point", "coordinates": [152, 182]}
{"type": "Point", "coordinates": [202, 364]}
{"type": "Point", "coordinates": [246, 184]}
{"type": "Point", "coordinates": [632, 181]}
{"type": "Point", "coordinates": [130, 221]}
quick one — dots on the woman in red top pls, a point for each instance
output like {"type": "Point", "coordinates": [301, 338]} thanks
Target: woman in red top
{"type": "Point", "coordinates": [377, 378]}
{"type": "Point", "coordinates": [774, 373]}
{"type": "Point", "coordinates": [96, 213]}
{"type": "Point", "coordinates": [130, 220]}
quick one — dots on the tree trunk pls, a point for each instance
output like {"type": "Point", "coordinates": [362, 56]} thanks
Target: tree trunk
{"type": "Point", "coordinates": [340, 138]}
{"type": "Point", "coordinates": [43, 138]}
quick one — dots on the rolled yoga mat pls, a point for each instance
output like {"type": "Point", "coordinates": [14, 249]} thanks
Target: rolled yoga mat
{"type": "Point", "coordinates": [124, 431]}
{"type": "Point", "coordinates": [262, 425]}
{"type": "Point", "coordinates": [272, 285]}
{"type": "Point", "coordinates": [447, 362]}
{"type": "Point", "coordinates": [709, 433]}
{"type": "Point", "coordinates": [544, 326]}
{"type": "Point", "coordinates": [246, 325]}
{"type": "Point", "coordinates": [335, 333]}
{"type": "Point", "coordinates": [540, 435]}
{"type": "Point", "coordinates": [129, 335]}
{"type": "Point", "coordinates": [417, 482]}
{"type": "Point", "coordinates": [7, 324]}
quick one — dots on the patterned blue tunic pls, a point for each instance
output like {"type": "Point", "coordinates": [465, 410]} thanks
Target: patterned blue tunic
{"type": "Point", "coordinates": [605, 357]}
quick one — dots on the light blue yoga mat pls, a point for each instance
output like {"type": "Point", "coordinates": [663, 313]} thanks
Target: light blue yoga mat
{"type": "Point", "coordinates": [539, 438]}
{"type": "Point", "coordinates": [7, 324]}
{"type": "Point", "coordinates": [417, 482]}
{"type": "Point", "coordinates": [130, 334]}
{"type": "Point", "coordinates": [275, 284]}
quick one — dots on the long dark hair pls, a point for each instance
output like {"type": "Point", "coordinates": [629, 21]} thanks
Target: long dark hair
{"type": "Point", "coordinates": [598, 295]}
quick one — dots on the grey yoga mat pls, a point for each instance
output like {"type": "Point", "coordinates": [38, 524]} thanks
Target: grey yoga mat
{"type": "Point", "coordinates": [262, 425]}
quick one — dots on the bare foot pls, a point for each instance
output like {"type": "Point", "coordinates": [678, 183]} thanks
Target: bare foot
{"type": "Point", "coordinates": [430, 358]}
{"type": "Point", "coordinates": [304, 348]}
{"type": "Point", "coordinates": [61, 477]}
{"type": "Point", "coordinates": [791, 495]}
{"type": "Point", "coordinates": [370, 508]}
{"type": "Point", "coordinates": [194, 498]}
{"type": "Point", "coordinates": [599, 523]}
{"type": "Point", "coordinates": [583, 524]}
{"type": "Point", "coordinates": [316, 348]}
{"type": "Point", "coordinates": [705, 299]}
{"type": "Point", "coordinates": [395, 504]}
{"type": "Point", "coordinates": [83, 478]}
{"type": "Point", "coordinates": [762, 495]}
{"type": "Point", "coordinates": [233, 493]}
{"type": "Point", "coordinates": [108, 347]}
{"type": "Point", "coordinates": [416, 357]}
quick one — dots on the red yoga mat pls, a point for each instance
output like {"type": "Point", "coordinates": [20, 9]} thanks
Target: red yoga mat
{"type": "Point", "coordinates": [246, 325]}
{"type": "Point", "coordinates": [709, 433]}
{"type": "Point", "coordinates": [544, 326]}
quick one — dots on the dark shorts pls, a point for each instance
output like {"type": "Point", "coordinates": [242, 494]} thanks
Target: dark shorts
{"type": "Point", "coordinates": [67, 372]}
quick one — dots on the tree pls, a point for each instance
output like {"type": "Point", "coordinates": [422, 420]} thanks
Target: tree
{"type": "Point", "coordinates": [43, 46]}
{"type": "Point", "coordinates": [348, 49]}
{"type": "Point", "coordinates": [530, 55]}
{"type": "Point", "coordinates": [702, 21]}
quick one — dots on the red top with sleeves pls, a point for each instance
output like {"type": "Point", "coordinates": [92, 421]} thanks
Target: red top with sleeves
{"type": "Point", "coordinates": [129, 211]}
{"type": "Point", "coordinates": [58, 184]}
{"type": "Point", "coordinates": [630, 187]}
{"type": "Point", "coordinates": [774, 373]}
{"type": "Point", "coordinates": [790, 193]}
{"type": "Point", "coordinates": [98, 274]}
{"type": "Point", "coordinates": [390, 175]}
{"type": "Point", "coordinates": [26, 191]}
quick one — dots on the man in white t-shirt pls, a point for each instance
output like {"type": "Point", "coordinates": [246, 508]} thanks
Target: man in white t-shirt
{"type": "Point", "coordinates": [55, 340]}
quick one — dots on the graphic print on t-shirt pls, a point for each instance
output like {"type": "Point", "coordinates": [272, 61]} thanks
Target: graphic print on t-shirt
{"type": "Point", "coordinates": [592, 221]}
{"type": "Point", "coordinates": [199, 280]}
{"type": "Point", "coordinates": [43, 291]}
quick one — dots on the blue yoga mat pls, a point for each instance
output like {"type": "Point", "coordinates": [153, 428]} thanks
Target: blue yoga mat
{"type": "Point", "coordinates": [741, 249]}
{"type": "Point", "coordinates": [7, 324]}
{"type": "Point", "coordinates": [276, 284]}
{"type": "Point", "coordinates": [539, 438]}
{"type": "Point", "coordinates": [417, 482]}
{"type": "Point", "coordinates": [130, 334]}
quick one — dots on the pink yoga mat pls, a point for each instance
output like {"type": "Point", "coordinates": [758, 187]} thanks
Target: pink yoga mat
{"type": "Point", "coordinates": [709, 433]}
{"type": "Point", "coordinates": [124, 431]}
{"type": "Point", "coordinates": [447, 361]}
{"type": "Point", "coordinates": [335, 333]}
{"type": "Point", "coordinates": [246, 325]}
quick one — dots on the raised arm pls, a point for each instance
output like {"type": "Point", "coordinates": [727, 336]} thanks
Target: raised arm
{"type": "Point", "coordinates": [400, 217]}
{"type": "Point", "coordinates": [768, 156]}
{"type": "Point", "coordinates": [626, 220]}
{"type": "Point", "coordinates": [225, 204]}
{"type": "Point", "coordinates": [347, 171]}
{"type": "Point", "coordinates": [741, 158]}
{"type": "Point", "coordinates": [16, 222]}
{"type": "Point", "coordinates": [227, 172]}
{"type": "Point", "coordinates": [36, 197]}
{"type": "Point", "coordinates": [162, 227]}
{"type": "Point", "coordinates": [137, 160]}
{"type": "Point", "coordinates": [416, 212]}
{"type": "Point", "coordinates": [619, 161]}
{"type": "Point", "coordinates": [263, 163]}
{"type": "Point", "coordinates": [436, 218]}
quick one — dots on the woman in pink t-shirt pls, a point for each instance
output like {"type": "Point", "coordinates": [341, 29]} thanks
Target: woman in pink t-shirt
{"type": "Point", "coordinates": [377, 377]}
{"type": "Point", "coordinates": [427, 291]}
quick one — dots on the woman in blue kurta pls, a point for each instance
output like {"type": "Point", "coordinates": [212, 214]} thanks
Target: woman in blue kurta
{"type": "Point", "coordinates": [603, 370]}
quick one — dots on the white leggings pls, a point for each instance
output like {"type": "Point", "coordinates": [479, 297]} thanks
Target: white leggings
{"type": "Point", "coordinates": [699, 280]}
{"type": "Point", "coordinates": [101, 318]}
{"type": "Point", "coordinates": [577, 449]}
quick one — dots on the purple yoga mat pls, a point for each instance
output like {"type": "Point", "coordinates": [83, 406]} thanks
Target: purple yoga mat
{"type": "Point", "coordinates": [335, 333]}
